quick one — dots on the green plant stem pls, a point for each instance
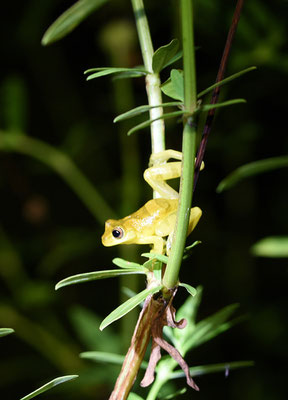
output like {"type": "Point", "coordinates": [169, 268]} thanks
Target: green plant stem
{"type": "Point", "coordinates": [190, 89]}
{"type": "Point", "coordinates": [170, 278]}
{"type": "Point", "coordinates": [165, 369]}
{"type": "Point", "coordinates": [152, 79]}
{"type": "Point", "coordinates": [63, 165]}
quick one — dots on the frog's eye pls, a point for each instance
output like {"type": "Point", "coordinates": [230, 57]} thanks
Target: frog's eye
{"type": "Point", "coordinates": [118, 233]}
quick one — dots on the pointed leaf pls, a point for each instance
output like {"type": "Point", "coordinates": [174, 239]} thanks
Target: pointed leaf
{"type": "Point", "coordinates": [159, 257]}
{"type": "Point", "coordinates": [212, 368]}
{"type": "Point", "coordinates": [134, 396]}
{"type": "Point", "coordinates": [175, 394]}
{"type": "Point", "coordinates": [272, 246]}
{"type": "Point", "coordinates": [106, 357]}
{"type": "Point", "coordinates": [190, 289]}
{"type": "Point", "coordinates": [252, 169]}
{"type": "Point", "coordinates": [189, 308]}
{"type": "Point", "coordinates": [49, 385]}
{"type": "Point", "coordinates": [163, 55]}
{"type": "Point", "coordinates": [126, 264]}
{"type": "Point", "coordinates": [174, 86]}
{"type": "Point", "coordinates": [5, 331]}
{"type": "Point", "coordinates": [224, 81]}
{"type": "Point", "coordinates": [128, 74]}
{"type": "Point", "coordinates": [177, 57]}
{"type": "Point", "coordinates": [188, 249]}
{"type": "Point", "coordinates": [92, 276]}
{"type": "Point", "coordinates": [141, 109]}
{"type": "Point", "coordinates": [124, 308]}
{"type": "Point", "coordinates": [103, 71]}
{"type": "Point", "coordinates": [210, 327]}
{"type": "Point", "coordinates": [207, 107]}
{"type": "Point", "coordinates": [150, 121]}
{"type": "Point", "coordinates": [70, 19]}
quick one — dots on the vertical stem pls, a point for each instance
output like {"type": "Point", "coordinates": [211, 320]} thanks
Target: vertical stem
{"type": "Point", "coordinates": [143, 33]}
{"type": "Point", "coordinates": [170, 278]}
{"type": "Point", "coordinates": [190, 92]}
{"type": "Point", "coordinates": [152, 79]}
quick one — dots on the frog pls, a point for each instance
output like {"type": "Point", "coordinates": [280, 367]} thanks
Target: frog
{"type": "Point", "coordinates": [155, 220]}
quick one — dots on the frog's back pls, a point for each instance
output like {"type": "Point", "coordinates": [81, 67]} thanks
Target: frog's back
{"type": "Point", "coordinates": [161, 207]}
{"type": "Point", "coordinates": [146, 219]}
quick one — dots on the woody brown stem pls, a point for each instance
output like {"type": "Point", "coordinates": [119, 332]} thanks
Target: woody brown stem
{"type": "Point", "coordinates": [137, 349]}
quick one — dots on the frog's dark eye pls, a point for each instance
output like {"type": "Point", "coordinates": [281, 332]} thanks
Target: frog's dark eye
{"type": "Point", "coordinates": [118, 233]}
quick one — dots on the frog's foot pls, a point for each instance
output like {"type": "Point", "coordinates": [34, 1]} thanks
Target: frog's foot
{"type": "Point", "coordinates": [162, 156]}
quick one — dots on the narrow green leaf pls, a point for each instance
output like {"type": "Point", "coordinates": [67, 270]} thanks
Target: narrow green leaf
{"type": "Point", "coordinates": [189, 308]}
{"type": "Point", "coordinates": [124, 308]}
{"type": "Point", "coordinates": [128, 75]}
{"type": "Point", "coordinates": [160, 257]}
{"type": "Point", "coordinates": [164, 54]}
{"type": "Point", "coordinates": [207, 107]}
{"type": "Point", "coordinates": [212, 368]}
{"type": "Point", "coordinates": [174, 86]}
{"type": "Point", "coordinates": [224, 81]}
{"type": "Point", "coordinates": [134, 396]}
{"type": "Point", "coordinates": [103, 71]}
{"type": "Point", "coordinates": [188, 249]}
{"type": "Point", "coordinates": [5, 331]}
{"type": "Point", "coordinates": [126, 264]}
{"type": "Point", "coordinates": [272, 246]}
{"type": "Point", "coordinates": [141, 109]}
{"type": "Point", "coordinates": [252, 169]}
{"type": "Point", "coordinates": [49, 385]}
{"type": "Point", "coordinates": [150, 121]}
{"type": "Point", "coordinates": [175, 394]}
{"type": "Point", "coordinates": [92, 276]}
{"type": "Point", "coordinates": [70, 19]}
{"type": "Point", "coordinates": [105, 357]}
{"type": "Point", "coordinates": [190, 289]}
{"type": "Point", "coordinates": [210, 327]}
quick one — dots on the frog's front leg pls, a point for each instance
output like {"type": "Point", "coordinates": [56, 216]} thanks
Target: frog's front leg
{"type": "Point", "coordinates": [160, 171]}
{"type": "Point", "coordinates": [157, 175]}
{"type": "Point", "coordinates": [156, 241]}
{"type": "Point", "coordinates": [163, 156]}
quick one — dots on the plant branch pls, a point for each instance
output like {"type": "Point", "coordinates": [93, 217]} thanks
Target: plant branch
{"type": "Point", "coordinates": [216, 91]}
{"type": "Point", "coordinates": [137, 349]}
{"type": "Point", "coordinates": [152, 79]}
{"type": "Point", "coordinates": [170, 278]}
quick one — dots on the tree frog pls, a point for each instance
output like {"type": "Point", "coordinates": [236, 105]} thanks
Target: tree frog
{"type": "Point", "coordinates": [153, 222]}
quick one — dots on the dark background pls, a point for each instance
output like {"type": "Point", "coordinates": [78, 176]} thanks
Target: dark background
{"type": "Point", "coordinates": [47, 233]}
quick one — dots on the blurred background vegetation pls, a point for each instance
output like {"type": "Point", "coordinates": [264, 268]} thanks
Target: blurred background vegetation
{"type": "Point", "coordinates": [47, 232]}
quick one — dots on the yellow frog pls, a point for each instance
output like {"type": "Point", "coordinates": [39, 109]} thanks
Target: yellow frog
{"type": "Point", "coordinates": [156, 219]}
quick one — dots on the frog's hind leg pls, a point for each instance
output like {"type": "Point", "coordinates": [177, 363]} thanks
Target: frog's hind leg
{"type": "Point", "coordinates": [195, 215]}
{"type": "Point", "coordinates": [157, 175]}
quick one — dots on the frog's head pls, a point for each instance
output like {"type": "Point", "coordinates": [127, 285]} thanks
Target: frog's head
{"type": "Point", "coordinates": [116, 233]}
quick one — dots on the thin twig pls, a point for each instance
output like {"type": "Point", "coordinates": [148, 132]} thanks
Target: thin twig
{"type": "Point", "coordinates": [216, 91]}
